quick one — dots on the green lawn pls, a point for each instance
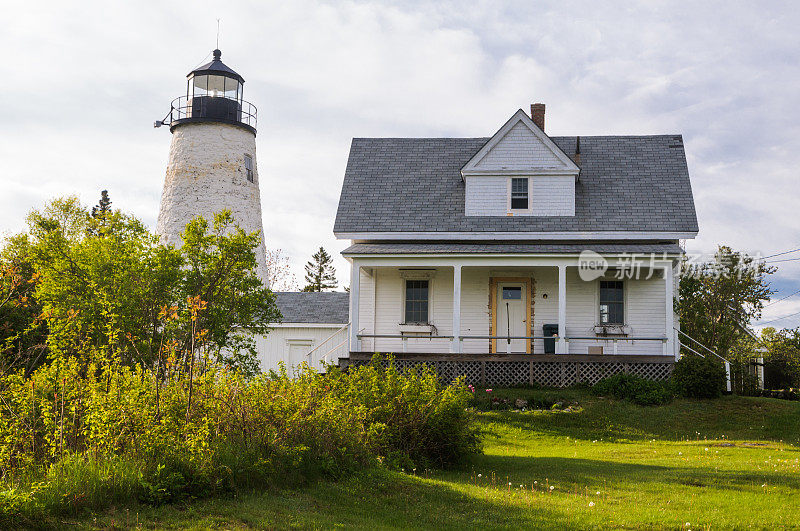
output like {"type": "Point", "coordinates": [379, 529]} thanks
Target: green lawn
{"type": "Point", "coordinates": [728, 463]}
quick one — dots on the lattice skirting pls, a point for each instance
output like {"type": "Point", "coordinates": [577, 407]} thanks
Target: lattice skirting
{"type": "Point", "coordinates": [544, 373]}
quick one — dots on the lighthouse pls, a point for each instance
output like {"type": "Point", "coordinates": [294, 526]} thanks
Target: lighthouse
{"type": "Point", "coordinates": [212, 157]}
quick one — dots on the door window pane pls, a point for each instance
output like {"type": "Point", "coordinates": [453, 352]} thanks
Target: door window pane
{"type": "Point", "coordinates": [513, 293]}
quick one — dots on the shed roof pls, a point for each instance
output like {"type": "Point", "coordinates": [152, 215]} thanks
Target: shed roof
{"type": "Point", "coordinates": [325, 307]}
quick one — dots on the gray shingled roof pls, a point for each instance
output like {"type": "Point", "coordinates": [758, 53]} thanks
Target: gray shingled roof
{"type": "Point", "coordinates": [329, 307]}
{"type": "Point", "coordinates": [627, 183]}
{"type": "Point", "coordinates": [509, 248]}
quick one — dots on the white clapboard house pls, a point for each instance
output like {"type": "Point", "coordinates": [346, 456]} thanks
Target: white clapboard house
{"type": "Point", "coordinates": [518, 258]}
{"type": "Point", "coordinates": [313, 330]}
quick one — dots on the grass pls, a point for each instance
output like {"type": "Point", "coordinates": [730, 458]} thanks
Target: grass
{"type": "Point", "coordinates": [728, 463]}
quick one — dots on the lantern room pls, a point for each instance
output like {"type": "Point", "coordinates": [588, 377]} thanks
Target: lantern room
{"type": "Point", "coordinates": [214, 93]}
{"type": "Point", "coordinates": [216, 80]}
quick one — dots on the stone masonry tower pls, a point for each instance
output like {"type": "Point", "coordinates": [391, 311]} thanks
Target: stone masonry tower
{"type": "Point", "coordinates": [212, 158]}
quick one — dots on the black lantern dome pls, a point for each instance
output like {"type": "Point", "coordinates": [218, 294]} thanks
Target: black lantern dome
{"type": "Point", "coordinates": [214, 93]}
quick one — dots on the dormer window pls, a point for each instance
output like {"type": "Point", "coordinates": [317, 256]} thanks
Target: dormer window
{"type": "Point", "coordinates": [519, 193]}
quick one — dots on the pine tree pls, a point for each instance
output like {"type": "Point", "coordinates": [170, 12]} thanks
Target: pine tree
{"type": "Point", "coordinates": [320, 274]}
{"type": "Point", "coordinates": [102, 208]}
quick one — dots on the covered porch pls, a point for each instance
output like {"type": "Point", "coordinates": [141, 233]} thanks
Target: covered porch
{"type": "Point", "coordinates": [540, 309]}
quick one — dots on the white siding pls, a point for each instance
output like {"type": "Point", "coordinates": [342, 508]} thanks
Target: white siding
{"type": "Point", "coordinates": [550, 195]}
{"type": "Point", "coordinates": [274, 347]}
{"type": "Point", "coordinates": [519, 148]}
{"type": "Point", "coordinates": [486, 196]}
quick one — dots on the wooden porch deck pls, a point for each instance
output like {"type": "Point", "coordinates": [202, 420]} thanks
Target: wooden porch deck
{"type": "Point", "coordinates": [548, 370]}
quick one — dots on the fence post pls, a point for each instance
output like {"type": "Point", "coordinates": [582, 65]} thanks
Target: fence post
{"type": "Point", "coordinates": [728, 375]}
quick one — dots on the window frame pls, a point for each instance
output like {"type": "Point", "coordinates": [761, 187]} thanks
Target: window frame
{"type": "Point", "coordinates": [249, 172]}
{"type": "Point", "coordinates": [406, 301]}
{"type": "Point", "coordinates": [510, 198]}
{"type": "Point", "coordinates": [622, 303]}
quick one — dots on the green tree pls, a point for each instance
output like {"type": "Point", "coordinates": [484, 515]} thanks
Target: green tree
{"type": "Point", "coordinates": [782, 357]}
{"type": "Point", "coordinates": [718, 298]}
{"type": "Point", "coordinates": [108, 288]}
{"type": "Point", "coordinates": [23, 334]}
{"type": "Point", "coordinates": [102, 282]}
{"type": "Point", "coordinates": [103, 207]}
{"type": "Point", "coordinates": [220, 270]}
{"type": "Point", "coordinates": [320, 274]}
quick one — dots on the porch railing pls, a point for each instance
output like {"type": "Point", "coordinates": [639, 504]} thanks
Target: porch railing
{"type": "Point", "coordinates": [405, 337]}
{"type": "Point", "coordinates": [694, 351]}
{"type": "Point", "coordinates": [325, 346]}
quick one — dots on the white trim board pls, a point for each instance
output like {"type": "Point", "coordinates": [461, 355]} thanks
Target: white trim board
{"type": "Point", "coordinates": [306, 325]}
{"type": "Point", "coordinates": [505, 235]}
{"type": "Point", "coordinates": [568, 166]}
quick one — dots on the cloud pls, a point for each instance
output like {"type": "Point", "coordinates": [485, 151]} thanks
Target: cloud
{"type": "Point", "coordinates": [89, 81]}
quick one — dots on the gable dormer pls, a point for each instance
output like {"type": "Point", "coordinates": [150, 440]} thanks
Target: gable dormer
{"type": "Point", "coordinates": [520, 171]}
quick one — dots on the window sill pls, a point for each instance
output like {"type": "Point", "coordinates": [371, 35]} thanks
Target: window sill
{"type": "Point", "coordinates": [416, 329]}
{"type": "Point", "coordinates": [612, 330]}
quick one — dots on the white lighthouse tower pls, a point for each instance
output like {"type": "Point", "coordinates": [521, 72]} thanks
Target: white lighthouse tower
{"type": "Point", "coordinates": [212, 158]}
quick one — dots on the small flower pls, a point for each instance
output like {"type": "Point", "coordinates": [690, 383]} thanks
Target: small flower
{"type": "Point", "coordinates": [598, 493]}
{"type": "Point", "coordinates": [706, 449]}
{"type": "Point", "coordinates": [591, 504]}
{"type": "Point", "coordinates": [488, 390]}
{"type": "Point", "coordinates": [480, 475]}
{"type": "Point", "coordinates": [535, 482]}
{"type": "Point", "coordinates": [551, 487]}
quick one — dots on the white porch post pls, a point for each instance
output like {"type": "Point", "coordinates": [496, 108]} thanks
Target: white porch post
{"type": "Point", "coordinates": [355, 280]}
{"type": "Point", "coordinates": [455, 345]}
{"type": "Point", "coordinates": [669, 322]}
{"type": "Point", "coordinates": [561, 347]}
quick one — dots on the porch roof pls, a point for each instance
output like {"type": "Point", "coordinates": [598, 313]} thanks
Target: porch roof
{"type": "Point", "coordinates": [510, 248]}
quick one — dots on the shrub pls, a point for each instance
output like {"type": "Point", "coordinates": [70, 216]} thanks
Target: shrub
{"type": "Point", "coordinates": [637, 390]}
{"type": "Point", "coordinates": [96, 436]}
{"type": "Point", "coordinates": [697, 377]}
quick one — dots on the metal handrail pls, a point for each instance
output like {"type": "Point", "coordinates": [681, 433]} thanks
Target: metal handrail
{"type": "Point", "coordinates": [507, 337]}
{"type": "Point", "coordinates": [182, 109]}
{"type": "Point", "coordinates": [612, 338]}
{"type": "Point", "coordinates": [729, 383]}
{"type": "Point", "coordinates": [431, 336]}
{"type": "Point", "coordinates": [402, 336]}
{"type": "Point", "coordinates": [698, 343]}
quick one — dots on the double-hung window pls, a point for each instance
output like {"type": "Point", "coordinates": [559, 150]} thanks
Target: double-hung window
{"type": "Point", "coordinates": [519, 193]}
{"type": "Point", "coordinates": [417, 298]}
{"type": "Point", "coordinates": [612, 302]}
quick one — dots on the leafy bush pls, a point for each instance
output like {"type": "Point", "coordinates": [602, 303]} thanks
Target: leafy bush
{"type": "Point", "coordinates": [697, 377]}
{"type": "Point", "coordinates": [73, 438]}
{"type": "Point", "coordinates": [634, 388]}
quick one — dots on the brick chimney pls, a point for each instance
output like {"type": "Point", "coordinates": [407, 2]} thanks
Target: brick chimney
{"type": "Point", "coordinates": [537, 114]}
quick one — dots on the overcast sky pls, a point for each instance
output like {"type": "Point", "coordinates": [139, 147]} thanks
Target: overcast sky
{"type": "Point", "coordinates": [90, 78]}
